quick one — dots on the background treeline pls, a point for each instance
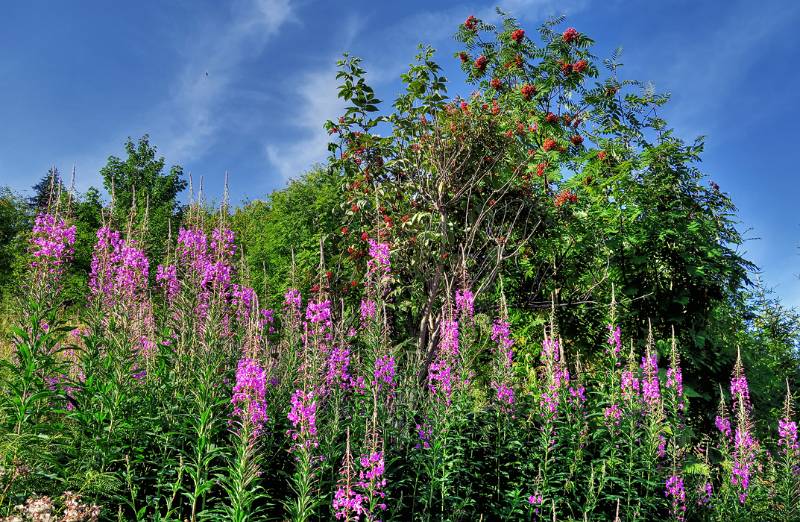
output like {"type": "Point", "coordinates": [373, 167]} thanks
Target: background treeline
{"type": "Point", "coordinates": [666, 263]}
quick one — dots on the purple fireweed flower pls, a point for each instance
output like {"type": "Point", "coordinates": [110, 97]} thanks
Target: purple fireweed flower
{"type": "Point", "coordinates": [677, 494]}
{"type": "Point", "coordinates": [739, 389]}
{"type": "Point", "coordinates": [368, 310]}
{"type": "Point", "coordinates": [379, 258]}
{"type": "Point", "coordinates": [249, 392]}
{"type": "Point", "coordinates": [614, 341]}
{"type": "Point", "coordinates": [723, 425]}
{"type": "Point", "coordinates": [293, 299]}
{"type": "Point", "coordinates": [465, 303]}
{"type": "Point", "coordinates": [347, 504]}
{"type": "Point", "coordinates": [505, 396]}
{"type": "Point", "coordinates": [662, 447]}
{"type": "Point", "coordinates": [745, 447]}
{"type": "Point", "coordinates": [192, 245]}
{"type": "Point", "coordinates": [51, 244]}
{"type": "Point", "coordinates": [705, 492]}
{"type": "Point", "coordinates": [675, 382]}
{"type": "Point", "coordinates": [319, 313]}
{"type": "Point", "coordinates": [167, 278]}
{"type": "Point", "coordinates": [132, 272]}
{"type": "Point", "coordinates": [651, 391]}
{"type": "Point", "coordinates": [448, 345]}
{"type": "Point", "coordinates": [384, 372]}
{"type": "Point", "coordinates": [244, 301]}
{"type": "Point", "coordinates": [629, 385]}
{"type": "Point", "coordinates": [535, 501]}
{"type": "Point", "coordinates": [338, 367]}
{"type": "Point", "coordinates": [222, 243]}
{"type": "Point", "coordinates": [266, 318]}
{"type": "Point", "coordinates": [501, 334]}
{"type": "Point", "coordinates": [119, 270]}
{"type": "Point", "coordinates": [440, 380]}
{"type": "Point", "coordinates": [612, 414]}
{"type": "Point", "coordinates": [577, 394]}
{"type": "Point", "coordinates": [303, 416]}
{"type": "Point", "coordinates": [424, 433]}
{"type": "Point", "coordinates": [371, 478]}
{"type": "Point", "coordinates": [550, 349]}
{"type": "Point", "coordinates": [787, 432]}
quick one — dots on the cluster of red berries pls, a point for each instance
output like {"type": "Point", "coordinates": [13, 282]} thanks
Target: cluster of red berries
{"type": "Point", "coordinates": [528, 91]}
{"type": "Point", "coordinates": [601, 155]}
{"type": "Point", "coordinates": [471, 23]}
{"type": "Point", "coordinates": [464, 57]}
{"type": "Point", "coordinates": [577, 139]}
{"type": "Point", "coordinates": [549, 144]}
{"type": "Point", "coordinates": [480, 63]}
{"type": "Point", "coordinates": [496, 84]}
{"type": "Point", "coordinates": [518, 35]}
{"type": "Point", "coordinates": [541, 167]}
{"type": "Point", "coordinates": [565, 196]}
{"type": "Point", "coordinates": [570, 35]}
{"type": "Point", "coordinates": [577, 67]}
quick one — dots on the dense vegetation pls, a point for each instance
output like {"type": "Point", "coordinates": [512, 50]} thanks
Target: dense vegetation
{"type": "Point", "coordinates": [527, 303]}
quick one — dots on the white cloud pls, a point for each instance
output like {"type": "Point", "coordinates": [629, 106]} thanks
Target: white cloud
{"type": "Point", "coordinates": [191, 115]}
{"type": "Point", "coordinates": [317, 102]}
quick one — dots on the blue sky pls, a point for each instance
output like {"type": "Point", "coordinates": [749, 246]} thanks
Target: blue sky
{"type": "Point", "coordinates": [77, 78]}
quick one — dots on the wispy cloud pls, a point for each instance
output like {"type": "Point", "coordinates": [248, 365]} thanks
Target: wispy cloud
{"type": "Point", "coordinates": [317, 103]}
{"type": "Point", "coordinates": [213, 64]}
{"type": "Point", "coordinates": [314, 103]}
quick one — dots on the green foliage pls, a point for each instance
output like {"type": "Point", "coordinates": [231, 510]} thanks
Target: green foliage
{"type": "Point", "coordinates": [282, 234]}
{"type": "Point", "coordinates": [145, 198]}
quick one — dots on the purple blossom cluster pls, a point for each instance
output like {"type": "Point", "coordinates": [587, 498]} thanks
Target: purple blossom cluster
{"type": "Point", "coordinates": [303, 416]}
{"type": "Point", "coordinates": [677, 494]}
{"type": "Point", "coordinates": [744, 452]}
{"type": "Point", "coordinates": [614, 342]}
{"type": "Point", "coordinates": [723, 424]}
{"type": "Point", "coordinates": [384, 372]}
{"type": "Point", "coordinates": [448, 344]}
{"type": "Point", "coordinates": [705, 493]}
{"type": "Point", "coordinates": [505, 395]}
{"type": "Point", "coordinates": [675, 382]}
{"type": "Point", "coordinates": [51, 244]}
{"type": "Point", "coordinates": [440, 380]}
{"type": "Point", "coordinates": [535, 501]}
{"type": "Point", "coordinates": [293, 300]}
{"type": "Point", "coordinates": [368, 310]}
{"type": "Point", "coordinates": [319, 313]}
{"type": "Point", "coordinates": [612, 414]}
{"type": "Point", "coordinates": [465, 303]}
{"type": "Point", "coordinates": [167, 278]}
{"type": "Point", "coordinates": [378, 262]}
{"type": "Point", "coordinates": [338, 368]}
{"type": "Point", "coordinates": [371, 478]}
{"type": "Point", "coordinates": [424, 434]}
{"type": "Point", "coordinates": [651, 391]}
{"type": "Point", "coordinates": [501, 334]}
{"type": "Point", "coordinates": [249, 395]}
{"type": "Point", "coordinates": [739, 388]}
{"type": "Point", "coordinates": [347, 503]}
{"type": "Point", "coordinates": [629, 385]}
{"type": "Point", "coordinates": [119, 269]}
{"type": "Point", "coordinates": [787, 433]}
